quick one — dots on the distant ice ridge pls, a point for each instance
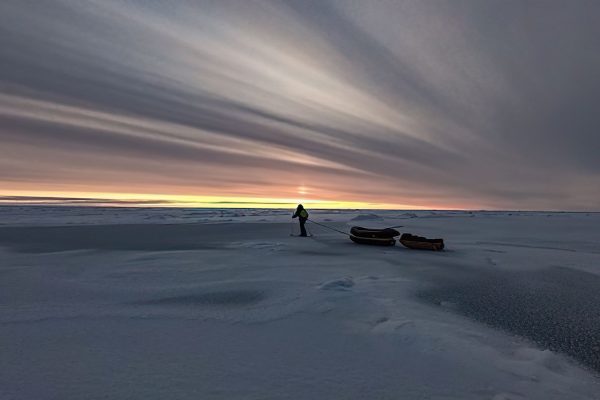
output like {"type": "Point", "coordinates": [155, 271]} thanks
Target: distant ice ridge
{"type": "Point", "coordinates": [367, 217]}
{"type": "Point", "coordinates": [73, 215]}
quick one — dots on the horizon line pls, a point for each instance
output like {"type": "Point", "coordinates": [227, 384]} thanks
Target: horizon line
{"type": "Point", "coordinates": [119, 200]}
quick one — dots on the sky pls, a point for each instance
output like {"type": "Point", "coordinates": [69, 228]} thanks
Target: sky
{"type": "Point", "coordinates": [364, 104]}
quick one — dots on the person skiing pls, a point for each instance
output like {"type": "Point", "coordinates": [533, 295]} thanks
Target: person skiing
{"type": "Point", "coordinates": [302, 216]}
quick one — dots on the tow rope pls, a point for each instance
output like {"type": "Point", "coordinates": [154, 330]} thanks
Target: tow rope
{"type": "Point", "coordinates": [328, 227]}
{"type": "Point", "coordinates": [346, 233]}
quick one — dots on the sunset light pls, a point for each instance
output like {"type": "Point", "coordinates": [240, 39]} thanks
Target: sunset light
{"type": "Point", "coordinates": [300, 199]}
{"type": "Point", "coordinates": [267, 103]}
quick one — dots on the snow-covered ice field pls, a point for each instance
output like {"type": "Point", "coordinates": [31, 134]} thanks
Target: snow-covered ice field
{"type": "Point", "coordinates": [109, 303]}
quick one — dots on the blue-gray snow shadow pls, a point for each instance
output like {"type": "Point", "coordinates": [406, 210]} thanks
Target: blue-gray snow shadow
{"type": "Point", "coordinates": [557, 308]}
{"type": "Point", "coordinates": [214, 298]}
{"type": "Point", "coordinates": [144, 237]}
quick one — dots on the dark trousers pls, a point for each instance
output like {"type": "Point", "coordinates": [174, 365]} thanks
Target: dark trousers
{"type": "Point", "coordinates": [302, 228]}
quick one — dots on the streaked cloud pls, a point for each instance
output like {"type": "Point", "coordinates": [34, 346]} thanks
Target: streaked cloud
{"type": "Point", "coordinates": [476, 104]}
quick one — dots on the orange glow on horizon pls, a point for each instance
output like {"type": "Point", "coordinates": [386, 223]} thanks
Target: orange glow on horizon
{"type": "Point", "coordinates": [166, 200]}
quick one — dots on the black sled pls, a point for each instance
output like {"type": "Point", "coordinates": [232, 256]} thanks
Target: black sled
{"type": "Point", "coordinates": [376, 237]}
{"type": "Point", "coordinates": [421, 243]}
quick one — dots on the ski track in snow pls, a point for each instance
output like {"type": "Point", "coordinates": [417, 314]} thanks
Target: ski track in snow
{"type": "Point", "coordinates": [191, 303]}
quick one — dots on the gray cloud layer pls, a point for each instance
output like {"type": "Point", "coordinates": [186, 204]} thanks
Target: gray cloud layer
{"type": "Point", "coordinates": [440, 103]}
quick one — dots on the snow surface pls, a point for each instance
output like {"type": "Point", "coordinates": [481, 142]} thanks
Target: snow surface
{"type": "Point", "coordinates": [221, 304]}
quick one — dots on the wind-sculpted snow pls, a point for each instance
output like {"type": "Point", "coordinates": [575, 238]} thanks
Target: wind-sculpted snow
{"type": "Point", "coordinates": [558, 308]}
{"type": "Point", "coordinates": [223, 298]}
{"type": "Point", "coordinates": [344, 283]}
{"type": "Point", "coordinates": [241, 309]}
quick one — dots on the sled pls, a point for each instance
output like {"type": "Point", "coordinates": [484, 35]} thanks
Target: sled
{"type": "Point", "coordinates": [421, 243]}
{"type": "Point", "coordinates": [386, 233]}
{"type": "Point", "coordinates": [373, 240]}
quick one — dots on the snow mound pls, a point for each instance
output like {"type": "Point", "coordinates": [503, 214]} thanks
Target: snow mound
{"type": "Point", "coordinates": [344, 283]}
{"type": "Point", "coordinates": [410, 215]}
{"type": "Point", "coordinates": [367, 217]}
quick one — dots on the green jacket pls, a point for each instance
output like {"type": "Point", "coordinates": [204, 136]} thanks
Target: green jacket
{"type": "Point", "coordinates": [300, 212]}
